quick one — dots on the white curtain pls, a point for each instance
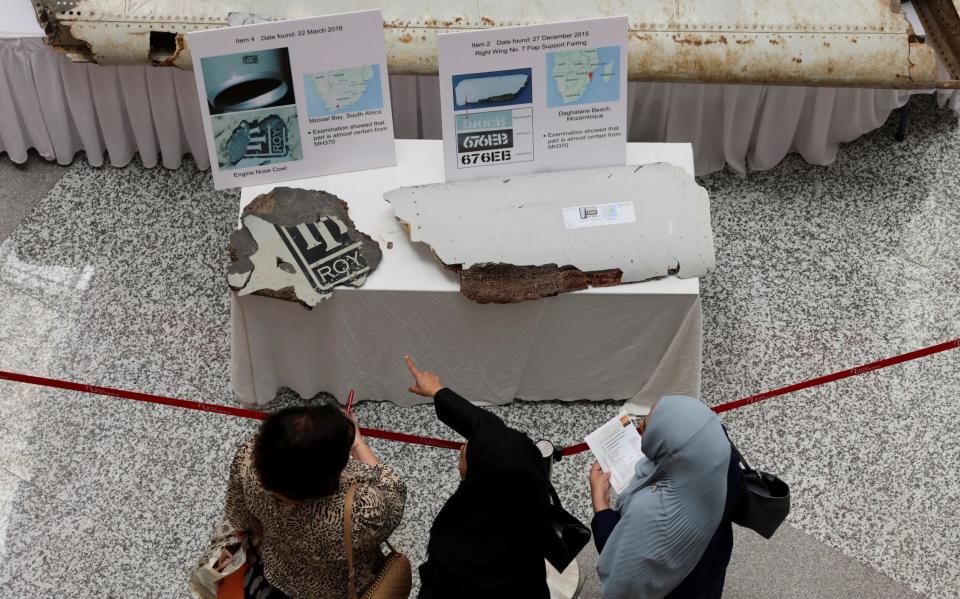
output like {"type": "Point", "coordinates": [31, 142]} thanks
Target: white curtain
{"type": "Point", "coordinates": [59, 107]}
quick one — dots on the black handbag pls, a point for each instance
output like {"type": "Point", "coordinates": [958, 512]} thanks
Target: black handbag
{"type": "Point", "coordinates": [567, 535]}
{"type": "Point", "coordinates": [764, 499]}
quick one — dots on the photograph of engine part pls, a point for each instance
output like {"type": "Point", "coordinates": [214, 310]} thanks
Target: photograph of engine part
{"type": "Point", "coordinates": [247, 80]}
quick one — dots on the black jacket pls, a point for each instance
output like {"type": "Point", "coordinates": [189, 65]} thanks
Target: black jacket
{"type": "Point", "coordinates": [487, 540]}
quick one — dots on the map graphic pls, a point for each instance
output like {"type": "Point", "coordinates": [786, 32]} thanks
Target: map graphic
{"type": "Point", "coordinates": [343, 90]}
{"type": "Point", "coordinates": [583, 76]}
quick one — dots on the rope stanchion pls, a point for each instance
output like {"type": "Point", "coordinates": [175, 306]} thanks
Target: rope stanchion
{"type": "Point", "coordinates": [446, 443]}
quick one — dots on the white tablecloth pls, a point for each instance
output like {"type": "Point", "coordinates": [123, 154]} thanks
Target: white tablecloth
{"type": "Point", "coordinates": [630, 342]}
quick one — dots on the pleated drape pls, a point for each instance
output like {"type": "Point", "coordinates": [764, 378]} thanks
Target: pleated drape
{"type": "Point", "coordinates": [59, 108]}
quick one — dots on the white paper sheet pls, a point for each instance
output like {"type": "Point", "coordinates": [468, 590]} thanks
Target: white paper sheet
{"type": "Point", "coordinates": [616, 445]}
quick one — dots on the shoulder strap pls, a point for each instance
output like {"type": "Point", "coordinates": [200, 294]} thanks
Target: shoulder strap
{"type": "Point", "coordinates": [348, 540]}
{"type": "Point", "coordinates": [736, 451]}
{"type": "Point", "coordinates": [553, 495]}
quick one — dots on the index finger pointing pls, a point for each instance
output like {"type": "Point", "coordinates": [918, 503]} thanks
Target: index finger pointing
{"type": "Point", "coordinates": [411, 366]}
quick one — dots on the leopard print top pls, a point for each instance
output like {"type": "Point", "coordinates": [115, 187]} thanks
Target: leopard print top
{"type": "Point", "coordinates": [302, 544]}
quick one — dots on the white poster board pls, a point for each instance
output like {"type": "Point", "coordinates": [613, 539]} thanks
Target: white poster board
{"type": "Point", "coordinates": [294, 99]}
{"type": "Point", "coordinates": [538, 98]}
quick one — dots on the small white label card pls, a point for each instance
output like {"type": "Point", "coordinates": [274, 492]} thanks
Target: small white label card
{"type": "Point", "coordinates": [537, 98]}
{"type": "Point", "coordinates": [293, 99]}
{"type": "Point", "coordinates": [595, 215]}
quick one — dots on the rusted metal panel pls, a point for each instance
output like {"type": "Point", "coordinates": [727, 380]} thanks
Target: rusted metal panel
{"type": "Point", "coordinates": [938, 18]}
{"type": "Point", "coordinates": [807, 42]}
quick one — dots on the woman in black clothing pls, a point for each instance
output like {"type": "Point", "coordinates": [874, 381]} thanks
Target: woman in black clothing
{"type": "Point", "coordinates": [488, 539]}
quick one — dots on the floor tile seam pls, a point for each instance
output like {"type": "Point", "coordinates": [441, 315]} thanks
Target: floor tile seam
{"type": "Point", "coordinates": [862, 559]}
{"type": "Point", "coordinates": [844, 555]}
{"type": "Point", "coordinates": [74, 506]}
{"type": "Point", "coordinates": [10, 286]}
{"type": "Point", "coordinates": [52, 498]}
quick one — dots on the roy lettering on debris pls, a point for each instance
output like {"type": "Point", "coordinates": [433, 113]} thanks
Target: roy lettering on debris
{"type": "Point", "coordinates": [297, 245]}
{"type": "Point", "coordinates": [325, 251]}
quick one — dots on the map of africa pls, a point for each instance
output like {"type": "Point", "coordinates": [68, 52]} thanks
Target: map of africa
{"type": "Point", "coordinates": [575, 72]}
{"type": "Point", "coordinates": [341, 88]}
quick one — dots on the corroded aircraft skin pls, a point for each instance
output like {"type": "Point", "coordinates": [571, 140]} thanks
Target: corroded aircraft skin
{"type": "Point", "coordinates": [864, 43]}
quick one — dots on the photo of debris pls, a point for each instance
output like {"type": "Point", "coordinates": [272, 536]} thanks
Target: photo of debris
{"type": "Point", "coordinates": [493, 88]}
{"type": "Point", "coordinates": [247, 80]}
{"type": "Point", "coordinates": [257, 137]}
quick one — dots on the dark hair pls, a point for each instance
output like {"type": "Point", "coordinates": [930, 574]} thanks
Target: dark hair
{"type": "Point", "coordinates": [301, 451]}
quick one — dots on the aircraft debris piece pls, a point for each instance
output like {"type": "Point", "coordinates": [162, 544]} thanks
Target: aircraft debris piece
{"type": "Point", "coordinates": [297, 245]}
{"type": "Point", "coordinates": [526, 237]}
{"type": "Point", "coordinates": [856, 43]}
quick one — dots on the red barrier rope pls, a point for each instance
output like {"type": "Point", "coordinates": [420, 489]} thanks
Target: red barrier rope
{"type": "Point", "coordinates": [820, 380]}
{"type": "Point", "coordinates": [836, 376]}
{"type": "Point", "coordinates": [445, 443]}
{"type": "Point", "coordinates": [207, 407]}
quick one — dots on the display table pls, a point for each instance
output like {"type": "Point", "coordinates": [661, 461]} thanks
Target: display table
{"type": "Point", "coordinates": [630, 342]}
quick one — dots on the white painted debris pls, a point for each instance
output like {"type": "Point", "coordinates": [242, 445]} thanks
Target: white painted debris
{"type": "Point", "coordinates": [648, 221]}
{"type": "Point", "coordinates": [298, 245]}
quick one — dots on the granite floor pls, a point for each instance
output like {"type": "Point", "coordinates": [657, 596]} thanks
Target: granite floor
{"type": "Point", "coordinates": [114, 277]}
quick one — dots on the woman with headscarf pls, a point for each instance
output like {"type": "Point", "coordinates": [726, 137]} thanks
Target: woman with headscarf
{"type": "Point", "coordinates": [670, 534]}
{"type": "Point", "coordinates": [488, 539]}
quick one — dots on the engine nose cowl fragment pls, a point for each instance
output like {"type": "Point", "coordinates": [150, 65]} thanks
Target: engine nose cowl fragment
{"type": "Point", "coordinates": [530, 236]}
{"type": "Point", "coordinates": [297, 245]}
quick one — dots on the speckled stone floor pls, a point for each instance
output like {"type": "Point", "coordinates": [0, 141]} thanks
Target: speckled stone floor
{"type": "Point", "coordinates": [115, 278]}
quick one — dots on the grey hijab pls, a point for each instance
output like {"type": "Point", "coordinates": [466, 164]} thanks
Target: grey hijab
{"type": "Point", "coordinates": [670, 511]}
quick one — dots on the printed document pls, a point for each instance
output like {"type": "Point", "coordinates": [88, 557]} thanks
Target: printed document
{"type": "Point", "coordinates": [616, 445]}
{"type": "Point", "coordinates": [285, 100]}
{"type": "Point", "coordinates": [548, 97]}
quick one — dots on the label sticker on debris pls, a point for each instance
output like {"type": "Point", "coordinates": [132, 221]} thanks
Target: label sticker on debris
{"type": "Point", "coordinates": [596, 215]}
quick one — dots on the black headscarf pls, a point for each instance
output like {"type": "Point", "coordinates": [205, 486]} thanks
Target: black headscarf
{"type": "Point", "coordinates": [488, 538]}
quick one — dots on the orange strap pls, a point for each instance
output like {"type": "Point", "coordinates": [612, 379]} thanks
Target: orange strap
{"type": "Point", "coordinates": [231, 587]}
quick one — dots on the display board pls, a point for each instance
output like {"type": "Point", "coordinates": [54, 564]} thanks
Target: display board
{"type": "Point", "coordinates": [292, 99]}
{"type": "Point", "coordinates": [538, 98]}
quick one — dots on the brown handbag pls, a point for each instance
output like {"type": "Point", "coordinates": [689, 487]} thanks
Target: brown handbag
{"type": "Point", "coordinates": [394, 579]}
